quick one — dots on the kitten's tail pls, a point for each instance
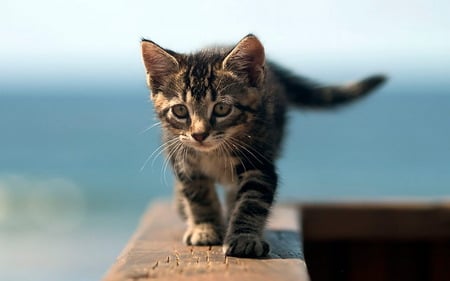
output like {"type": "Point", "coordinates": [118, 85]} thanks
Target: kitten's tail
{"type": "Point", "coordinates": [302, 92]}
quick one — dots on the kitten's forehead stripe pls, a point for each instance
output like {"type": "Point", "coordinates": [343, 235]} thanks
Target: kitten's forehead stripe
{"type": "Point", "coordinates": [199, 75]}
{"type": "Point", "coordinates": [197, 81]}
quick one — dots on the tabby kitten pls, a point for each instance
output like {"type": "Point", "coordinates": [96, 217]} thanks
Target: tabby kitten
{"type": "Point", "coordinates": [223, 114]}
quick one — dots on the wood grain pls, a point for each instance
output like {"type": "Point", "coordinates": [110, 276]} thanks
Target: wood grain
{"type": "Point", "coordinates": [156, 252]}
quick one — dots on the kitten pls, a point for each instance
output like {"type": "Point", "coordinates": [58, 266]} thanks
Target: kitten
{"type": "Point", "coordinates": [223, 114]}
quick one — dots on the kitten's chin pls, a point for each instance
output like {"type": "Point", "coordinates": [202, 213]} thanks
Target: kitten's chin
{"type": "Point", "coordinates": [203, 147]}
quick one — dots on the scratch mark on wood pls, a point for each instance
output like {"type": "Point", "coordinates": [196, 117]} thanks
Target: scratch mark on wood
{"type": "Point", "coordinates": [177, 257]}
{"type": "Point", "coordinates": [155, 266]}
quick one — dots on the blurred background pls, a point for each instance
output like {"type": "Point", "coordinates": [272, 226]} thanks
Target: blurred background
{"type": "Point", "coordinates": [75, 118]}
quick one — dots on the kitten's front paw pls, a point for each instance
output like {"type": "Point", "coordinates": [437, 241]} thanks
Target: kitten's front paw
{"type": "Point", "coordinates": [246, 245]}
{"type": "Point", "coordinates": [203, 235]}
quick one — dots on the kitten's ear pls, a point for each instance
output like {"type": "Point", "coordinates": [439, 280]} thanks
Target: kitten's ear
{"type": "Point", "coordinates": [159, 64]}
{"type": "Point", "coordinates": [247, 58]}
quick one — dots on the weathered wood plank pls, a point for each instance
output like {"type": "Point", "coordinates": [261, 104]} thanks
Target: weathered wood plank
{"type": "Point", "coordinates": [156, 252]}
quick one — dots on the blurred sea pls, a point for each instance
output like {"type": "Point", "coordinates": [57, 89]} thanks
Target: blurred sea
{"type": "Point", "coordinates": [72, 188]}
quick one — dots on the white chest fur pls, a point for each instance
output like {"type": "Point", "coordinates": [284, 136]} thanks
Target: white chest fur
{"type": "Point", "coordinates": [218, 167]}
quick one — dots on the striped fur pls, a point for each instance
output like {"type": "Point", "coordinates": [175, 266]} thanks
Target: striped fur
{"type": "Point", "coordinates": [223, 116]}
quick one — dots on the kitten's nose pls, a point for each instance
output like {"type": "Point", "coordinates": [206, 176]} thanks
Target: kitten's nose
{"type": "Point", "coordinates": [200, 136]}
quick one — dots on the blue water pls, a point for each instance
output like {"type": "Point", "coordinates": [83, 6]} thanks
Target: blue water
{"type": "Point", "coordinates": [87, 154]}
{"type": "Point", "coordinates": [385, 145]}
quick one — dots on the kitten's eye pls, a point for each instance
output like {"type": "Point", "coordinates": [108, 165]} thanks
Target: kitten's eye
{"type": "Point", "coordinates": [222, 109]}
{"type": "Point", "coordinates": [180, 111]}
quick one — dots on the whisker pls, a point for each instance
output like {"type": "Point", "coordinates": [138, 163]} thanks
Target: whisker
{"type": "Point", "coordinates": [158, 150]}
{"type": "Point", "coordinates": [165, 148]}
{"type": "Point", "coordinates": [150, 127]}
{"type": "Point", "coordinates": [224, 152]}
{"type": "Point", "coordinates": [251, 150]}
{"type": "Point", "coordinates": [244, 155]}
{"type": "Point", "coordinates": [185, 155]}
{"type": "Point", "coordinates": [232, 169]}
{"type": "Point", "coordinates": [175, 150]}
{"type": "Point", "coordinates": [229, 144]}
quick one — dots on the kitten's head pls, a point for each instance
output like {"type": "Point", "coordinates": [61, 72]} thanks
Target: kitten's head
{"type": "Point", "coordinates": [206, 100]}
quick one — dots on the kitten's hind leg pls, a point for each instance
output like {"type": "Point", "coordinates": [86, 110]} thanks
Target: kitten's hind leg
{"type": "Point", "coordinates": [202, 209]}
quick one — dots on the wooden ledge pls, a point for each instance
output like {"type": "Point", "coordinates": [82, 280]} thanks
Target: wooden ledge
{"type": "Point", "coordinates": [156, 252]}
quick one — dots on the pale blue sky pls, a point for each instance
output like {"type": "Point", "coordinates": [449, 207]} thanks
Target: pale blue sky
{"type": "Point", "coordinates": [82, 38]}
